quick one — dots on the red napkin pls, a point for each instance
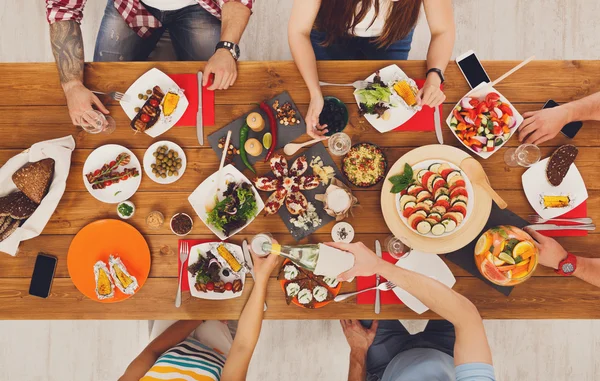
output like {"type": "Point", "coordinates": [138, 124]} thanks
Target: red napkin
{"type": "Point", "coordinates": [387, 297]}
{"type": "Point", "coordinates": [578, 212]}
{"type": "Point", "coordinates": [185, 284]}
{"type": "Point", "coordinates": [189, 83]}
{"type": "Point", "coordinates": [422, 120]}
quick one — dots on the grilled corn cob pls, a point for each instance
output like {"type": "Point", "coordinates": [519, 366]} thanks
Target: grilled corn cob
{"type": "Point", "coordinates": [406, 92]}
{"type": "Point", "coordinates": [229, 258]}
{"type": "Point", "coordinates": [556, 201]}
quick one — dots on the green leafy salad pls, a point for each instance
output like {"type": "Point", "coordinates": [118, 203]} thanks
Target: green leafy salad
{"type": "Point", "coordinates": [237, 207]}
{"type": "Point", "coordinates": [375, 99]}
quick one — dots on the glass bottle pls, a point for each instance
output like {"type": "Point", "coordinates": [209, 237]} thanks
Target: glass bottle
{"type": "Point", "coordinates": [318, 258]}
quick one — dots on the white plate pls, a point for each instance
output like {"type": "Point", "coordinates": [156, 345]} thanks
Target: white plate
{"type": "Point", "coordinates": [149, 160]}
{"type": "Point", "coordinates": [480, 92]}
{"type": "Point", "coordinates": [535, 185]}
{"type": "Point", "coordinates": [151, 78]}
{"type": "Point", "coordinates": [470, 204]}
{"type": "Point", "coordinates": [399, 114]}
{"type": "Point", "coordinates": [207, 189]}
{"type": "Point", "coordinates": [204, 248]}
{"type": "Point", "coordinates": [117, 192]}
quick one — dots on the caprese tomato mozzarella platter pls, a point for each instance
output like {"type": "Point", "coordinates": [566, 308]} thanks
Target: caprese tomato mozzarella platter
{"type": "Point", "coordinates": [436, 201]}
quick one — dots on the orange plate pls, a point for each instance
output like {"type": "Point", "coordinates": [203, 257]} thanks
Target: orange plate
{"type": "Point", "coordinates": [96, 242]}
{"type": "Point", "coordinates": [334, 291]}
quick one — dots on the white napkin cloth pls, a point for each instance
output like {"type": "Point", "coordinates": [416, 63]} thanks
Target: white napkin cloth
{"type": "Point", "coordinates": [430, 265]}
{"type": "Point", "coordinates": [58, 149]}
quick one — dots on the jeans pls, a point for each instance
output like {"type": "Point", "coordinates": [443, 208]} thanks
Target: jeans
{"type": "Point", "coordinates": [194, 33]}
{"type": "Point", "coordinates": [392, 338]}
{"type": "Point", "coordinates": [359, 48]}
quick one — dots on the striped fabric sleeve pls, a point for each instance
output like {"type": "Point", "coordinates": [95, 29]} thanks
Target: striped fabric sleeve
{"type": "Point", "coordinates": [64, 10]}
{"type": "Point", "coordinates": [248, 3]}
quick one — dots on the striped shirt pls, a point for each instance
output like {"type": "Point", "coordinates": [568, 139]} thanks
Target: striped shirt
{"type": "Point", "coordinates": [133, 12]}
{"type": "Point", "coordinates": [188, 361]}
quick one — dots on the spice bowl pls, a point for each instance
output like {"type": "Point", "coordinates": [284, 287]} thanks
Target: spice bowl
{"type": "Point", "coordinates": [126, 209]}
{"type": "Point", "coordinates": [342, 232]}
{"type": "Point", "coordinates": [155, 220]}
{"type": "Point", "coordinates": [181, 224]}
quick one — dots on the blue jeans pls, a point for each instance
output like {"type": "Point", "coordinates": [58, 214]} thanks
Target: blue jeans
{"type": "Point", "coordinates": [392, 338]}
{"type": "Point", "coordinates": [194, 33]}
{"type": "Point", "coordinates": [359, 48]}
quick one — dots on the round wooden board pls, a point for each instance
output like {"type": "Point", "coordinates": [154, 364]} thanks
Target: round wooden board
{"type": "Point", "coordinates": [473, 226]}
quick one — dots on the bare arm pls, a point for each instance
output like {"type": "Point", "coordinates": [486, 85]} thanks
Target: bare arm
{"type": "Point", "coordinates": [358, 367]}
{"type": "Point", "coordinates": [471, 341]}
{"type": "Point", "coordinates": [234, 19]}
{"type": "Point", "coordinates": [67, 47]}
{"type": "Point", "coordinates": [552, 253]}
{"type": "Point", "coordinates": [304, 13]}
{"type": "Point", "coordinates": [441, 25]}
{"type": "Point", "coordinates": [172, 336]}
{"type": "Point", "coordinates": [587, 108]}
{"type": "Point", "coordinates": [250, 322]}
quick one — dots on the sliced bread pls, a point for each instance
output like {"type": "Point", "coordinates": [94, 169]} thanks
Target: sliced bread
{"type": "Point", "coordinates": [34, 179]}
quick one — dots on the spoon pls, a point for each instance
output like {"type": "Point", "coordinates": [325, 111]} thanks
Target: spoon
{"type": "Point", "coordinates": [212, 201]}
{"type": "Point", "coordinates": [292, 148]}
{"type": "Point", "coordinates": [477, 175]}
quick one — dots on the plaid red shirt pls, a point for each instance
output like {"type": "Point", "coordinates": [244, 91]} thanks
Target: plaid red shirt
{"type": "Point", "coordinates": [133, 12]}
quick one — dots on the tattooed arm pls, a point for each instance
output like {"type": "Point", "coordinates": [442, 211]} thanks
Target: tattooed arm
{"type": "Point", "coordinates": [67, 47]}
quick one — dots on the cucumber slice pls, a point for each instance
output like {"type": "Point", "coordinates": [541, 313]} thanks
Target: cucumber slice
{"type": "Point", "coordinates": [423, 227]}
{"type": "Point", "coordinates": [420, 175]}
{"type": "Point", "coordinates": [449, 224]}
{"type": "Point", "coordinates": [435, 167]}
{"type": "Point", "coordinates": [410, 204]}
{"type": "Point", "coordinates": [438, 229]}
{"type": "Point", "coordinates": [406, 198]}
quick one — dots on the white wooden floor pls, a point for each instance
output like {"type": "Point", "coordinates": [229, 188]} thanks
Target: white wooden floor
{"type": "Point", "coordinates": [523, 350]}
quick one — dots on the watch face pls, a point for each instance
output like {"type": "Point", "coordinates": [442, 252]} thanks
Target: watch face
{"type": "Point", "coordinates": [568, 268]}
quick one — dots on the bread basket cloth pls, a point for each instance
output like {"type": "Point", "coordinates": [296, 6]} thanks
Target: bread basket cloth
{"type": "Point", "coordinates": [58, 149]}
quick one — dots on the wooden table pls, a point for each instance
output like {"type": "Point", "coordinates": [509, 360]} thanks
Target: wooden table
{"type": "Point", "coordinates": [33, 108]}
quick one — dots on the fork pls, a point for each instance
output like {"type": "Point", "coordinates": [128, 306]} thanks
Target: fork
{"type": "Point", "coordinates": [382, 287]}
{"type": "Point", "coordinates": [183, 256]}
{"type": "Point", "coordinates": [357, 84]}
{"type": "Point", "coordinates": [115, 95]}
{"type": "Point", "coordinates": [534, 219]}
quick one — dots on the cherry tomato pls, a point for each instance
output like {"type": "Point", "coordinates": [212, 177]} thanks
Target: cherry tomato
{"type": "Point", "coordinates": [210, 286]}
{"type": "Point", "coordinates": [96, 172]}
{"type": "Point", "coordinates": [228, 286]}
{"type": "Point", "coordinates": [481, 108]}
{"type": "Point", "coordinates": [108, 183]}
{"type": "Point", "coordinates": [506, 109]}
{"type": "Point", "coordinates": [458, 116]}
{"type": "Point", "coordinates": [124, 177]}
{"type": "Point", "coordinates": [492, 97]}
{"type": "Point", "coordinates": [153, 102]}
{"type": "Point", "coordinates": [145, 118]}
{"type": "Point", "coordinates": [472, 115]}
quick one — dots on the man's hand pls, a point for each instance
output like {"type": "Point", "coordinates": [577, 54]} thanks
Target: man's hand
{"type": "Point", "coordinates": [431, 95]}
{"type": "Point", "coordinates": [80, 100]}
{"type": "Point", "coordinates": [359, 338]}
{"type": "Point", "coordinates": [313, 128]}
{"type": "Point", "coordinates": [551, 252]}
{"type": "Point", "coordinates": [540, 126]}
{"type": "Point", "coordinates": [224, 67]}
{"type": "Point", "coordinates": [365, 260]}
{"type": "Point", "coordinates": [263, 266]}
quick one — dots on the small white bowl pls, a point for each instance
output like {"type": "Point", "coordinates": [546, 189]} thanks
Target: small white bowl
{"type": "Point", "coordinates": [337, 228]}
{"type": "Point", "coordinates": [171, 224]}
{"type": "Point", "coordinates": [126, 203]}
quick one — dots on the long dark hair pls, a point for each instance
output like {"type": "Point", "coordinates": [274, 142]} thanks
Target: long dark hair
{"type": "Point", "coordinates": [338, 18]}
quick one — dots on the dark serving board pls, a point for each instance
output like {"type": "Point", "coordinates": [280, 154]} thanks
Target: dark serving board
{"type": "Point", "coordinates": [285, 134]}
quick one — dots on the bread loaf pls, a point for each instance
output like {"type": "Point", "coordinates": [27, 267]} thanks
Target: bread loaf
{"type": "Point", "coordinates": [34, 179]}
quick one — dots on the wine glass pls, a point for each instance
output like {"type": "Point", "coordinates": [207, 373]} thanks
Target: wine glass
{"type": "Point", "coordinates": [396, 247]}
{"type": "Point", "coordinates": [256, 244]}
{"type": "Point", "coordinates": [95, 122]}
{"type": "Point", "coordinates": [339, 144]}
{"type": "Point", "coordinates": [524, 155]}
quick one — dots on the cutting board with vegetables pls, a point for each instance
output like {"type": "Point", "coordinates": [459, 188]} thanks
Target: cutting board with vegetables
{"type": "Point", "coordinates": [285, 133]}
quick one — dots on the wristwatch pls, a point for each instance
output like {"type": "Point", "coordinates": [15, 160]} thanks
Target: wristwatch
{"type": "Point", "coordinates": [567, 266]}
{"type": "Point", "coordinates": [233, 48]}
{"type": "Point", "coordinates": [437, 71]}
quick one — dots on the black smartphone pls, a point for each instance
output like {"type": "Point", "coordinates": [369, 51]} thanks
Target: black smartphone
{"type": "Point", "coordinates": [43, 273]}
{"type": "Point", "coordinates": [472, 69]}
{"type": "Point", "coordinates": [570, 129]}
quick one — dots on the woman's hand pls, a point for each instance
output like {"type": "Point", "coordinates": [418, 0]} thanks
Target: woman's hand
{"type": "Point", "coordinates": [431, 95]}
{"type": "Point", "coordinates": [313, 128]}
{"type": "Point", "coordinates": [359, 338]}
{"type": "Point", "coordinates": [542, 125]}
{"type": "Point", "coordinates": [365, 260]}
{"type": "Point", "coordinates": [263, 266]}
{"type": "Point", "coordinates": [551, 252]}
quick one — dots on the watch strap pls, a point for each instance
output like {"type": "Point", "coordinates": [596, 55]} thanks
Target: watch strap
{"type": "Point", "coordinates": [233, 48]}
{"type": "Point", "coordinates": [437, 71]}
{"type": "Point", "coordinates": [567, 266]}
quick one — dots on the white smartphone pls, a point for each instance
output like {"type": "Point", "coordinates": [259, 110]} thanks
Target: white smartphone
{"type": "Point", "coordinates": [472, 69]}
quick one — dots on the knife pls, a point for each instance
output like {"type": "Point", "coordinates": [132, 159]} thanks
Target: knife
{"type": "Point", "coordinates": [377, 292]}
{"type": "Point", "coordinates": [250, 264]}
{"type": "Point", "coordinates": [199, 125]}
{"type": "Point", "coordinates": [590, 227]}
{"type": "Point", "coordinates": [437, 119]}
